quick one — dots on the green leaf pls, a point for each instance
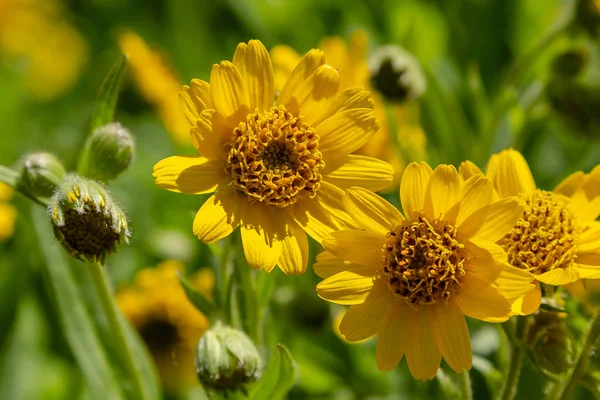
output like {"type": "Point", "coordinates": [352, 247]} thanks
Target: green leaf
{"type": "Point", "coordinates": [278, 378]}
{"type": "Point", "coordinates": [106, 102]}
{"type": "Point", "coordinates": [75, 321]}
{"type": "Point", "coordinates": [204, 305]}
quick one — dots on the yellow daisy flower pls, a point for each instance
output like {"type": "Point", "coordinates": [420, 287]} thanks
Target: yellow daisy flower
{"type": "Point", "coordinates": [351, 61]}
{"type": "Point", "coordinates": [157, 83]}
{"type": "Point", "coordinates": [169, 324]}
{"type": "Point", "coordinates": [556, 240]}
{"type": "Point", "coordinates": [278, 168]}
{"type": "Point", "coordinates": [8, 213]}
{"type": "Point", "coordinates": [413, 278]}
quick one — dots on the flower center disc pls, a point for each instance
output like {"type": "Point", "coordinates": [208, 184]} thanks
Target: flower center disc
{"type": "Point", "coordinates": [423, 264]}
{"type": "Point", "coordinates": [274, 158]}
{"type": "Point", "coordinates": [544, 237]}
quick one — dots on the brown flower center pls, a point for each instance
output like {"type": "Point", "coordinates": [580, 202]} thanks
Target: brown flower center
{"type": "Point", "coordinates": [274, 158]}
{"type": "Point", "coordinates": [545, 236]}
{"type": "Point", "coordinates": [423, 263]}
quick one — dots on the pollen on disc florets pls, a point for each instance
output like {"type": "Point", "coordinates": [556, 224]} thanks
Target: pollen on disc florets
{"type": "Point", "coordinates": [423, 263]}
{"type": "Point", "coordinates": [274, 158]}
{"type": "Point", "coordinates": [545, 236]}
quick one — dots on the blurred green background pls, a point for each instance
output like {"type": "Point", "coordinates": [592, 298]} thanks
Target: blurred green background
{"type": "Point", "coordinates": [491, 84]}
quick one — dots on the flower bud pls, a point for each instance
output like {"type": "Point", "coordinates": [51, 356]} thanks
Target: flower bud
{"type": "Point", "coordinates": [109, 152]}
{"type": "Point", "coordinates": [226, 359]}
{"type": "Point", "coordinates": [550, 343]}
{"type": "Point", "coordinates": [86, 220]}
{"type": "Point", "coordinates": [40, 174]}
{"type": "Point", "coordinates": [396, 74]}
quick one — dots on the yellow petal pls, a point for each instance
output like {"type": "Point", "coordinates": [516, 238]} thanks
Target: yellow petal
{"type": "Point", "coordinates": [228, 92]}
{"type": "Point", "coordinates": [345, 132]}
{"type": "Point", "coordinates": [589, 240]}
{"type": "Point", "coordinates": [443, 190]}
{"type": "Point", "coordinates": [412, 188]}
{"type": "Point", "coordinates": [570, 184]}
{"type": "Point", "coordinates": [219, 215]}
{"type": "Point", "coordinates": [529, 302]}
{"type": "Point", "coordinates": [194, 99]}
{"type": "Point", "coordinates": [476, 194]}
{"type": "Point", "coordinates": [312, 97]}
{"type": "Point", "coordinates": [210, 135]}
{"type": "Point", "coordinates": [260, 228]}
{"type": "Point", "coordinates": [323, 214]}
{"type": "Point", "coordinates": [467, 169]}
{"type": "Point", "coordinates": [485, 259]}
{"type": "Point", "coordinates": [192, 175]}
{"type": "Point", "coordinates": [501, 217]}
{"type": "Point", "coordinates": [354, 97]}
{"type": "Point", "coordinates": [513, 282]}
{"type": "Point", "coordinates": [451, 334]}
{"type": "Point", "coordinates": [364, 320]}
{"type": "Point", "coordinates": [585, 202]}
{"type": "Point", "coordinates": [327, 265]}
{"type": "Point", "coordinates": [362, 171]}
{"type": "Point", "coordinates": [481, 300]}
{"type": "Point", "coordinates": [587, 271]}
{"type": "Point", "coordinates": [559, 276]}
{"type": "Point", "coordinates": [307, 65]}
{"type": "Point", "coordinates": [348, 287]}
{"type": "Point", "coordinates": [510, 173]}
{"type": "Point", "coordinates": [371, 211]}
{"type": "Point", "coordinates": [394, 336]}
{"type": "Point", "coordinates": [284, 60]}
{"type": "Point", "coordinates": [294, 249]}
{"type": "Point", "coordinates": [254, 64]}
{"type": "Point", "coordinates": [358, 247]}
{"type": "Point", "coordinates": [422, 353]}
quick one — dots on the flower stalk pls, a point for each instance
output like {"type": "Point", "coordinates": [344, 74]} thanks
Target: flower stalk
{"type": "Point", "coordinates": [516, 359]}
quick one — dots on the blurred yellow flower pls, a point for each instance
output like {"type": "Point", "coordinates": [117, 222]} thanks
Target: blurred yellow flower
{"type": "Point", "coordinates": [169, 324]}
{"type": "Point", "coordinates": [556, 240]}
{"type": "Point", "coordinates": [350, 59]}
{"type": "Point", "coordinates": [278, 169]}
{"type": "Point", "coordinates": [53, 52]}
{"type": "Point", "coordinates": [413, 278]}
{"type": "Point", "coordinates": [157, 83]}
{"type": "Point", "coordinates": [8, 214]}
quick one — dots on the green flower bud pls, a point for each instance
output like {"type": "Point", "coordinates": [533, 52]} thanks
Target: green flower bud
{"type": "Point", "coordinates": [86, 220]}
{"type": "Point", "coordinates": [109, 152]}
{"type": "Point", "coordinates": [226, 359]}
{"type": "Point", "coordinates": [571, 63]}
{"type": "Point", "coordinates": [396, 74]}
{"type": "Point", "coordinates": [40, 174]}
{"type": "Point", "coordinates": [550, 343]}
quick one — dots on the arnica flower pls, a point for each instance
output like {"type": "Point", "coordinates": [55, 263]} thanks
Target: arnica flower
{"type": "Point", "coordinates": [278, 168]}
{"type": "Point", "coordinates": [8, 213]}
{"type": "Point", "coordinates": [168, 323]}
{"type": "Point", "coordinates": [157, 83]}
{"type": "Point", "coordinates": [351, 61]}
{"type": "Point", "coordinates": [413, 278]}
{"type": "Point", "coordinates": [556, 239]}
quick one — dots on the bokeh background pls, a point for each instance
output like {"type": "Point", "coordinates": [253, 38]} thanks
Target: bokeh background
{"type": "Point", "coordinates": [491, 84]}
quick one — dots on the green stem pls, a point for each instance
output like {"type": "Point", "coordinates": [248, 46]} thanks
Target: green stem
{"type": "Point", "coordinates": [584, 356]}
{"type": "Point", "coordinates": [516, 359]}
{"type": "Point", "coordinates": [465, 385]}
{"type": "Point", "coordinates": [115, 323]}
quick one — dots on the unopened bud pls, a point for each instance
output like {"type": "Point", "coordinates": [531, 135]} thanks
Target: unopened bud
{"type": "Point", "coordinates": [396, 74]}
{"type": "Point", "coordinates": [226, 359]}
{"type": "Point", "coordinates": [109, 152]}
{"type": "Point", "coordinates": [550, 343]}
{"type": "Point", "coordinates": [86, 220]}
{"type": "Point", "coordinates": [41, 173]}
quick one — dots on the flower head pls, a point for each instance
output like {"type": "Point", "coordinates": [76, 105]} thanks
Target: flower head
{"type": "Point", "coordinates": [555, 239]}
{"type": "Point", "coordinates": [169, 324]}
{"type": "Point", "coordinates": [278, 167]}
{"type": "Point", "coordinates": [412, 278]}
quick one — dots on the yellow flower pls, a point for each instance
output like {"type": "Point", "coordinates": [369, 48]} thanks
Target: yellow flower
{"type": "Point", "coordinates": [169, 324]}
{"type": "Point", "coordinates": [351, 61]}
{"type": "Point", "coordinates": [278, 169]}
{"type": "Point", "coordinates": [54, 52]}
{"type": "Point", "coordinates": [157, 83]}
{"type": "Point", "coordinates": [412, 278]}
{"type": "Point", "coordinates": [8, 214]}
{"type": "Point", "coordinates": [556, 240]}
